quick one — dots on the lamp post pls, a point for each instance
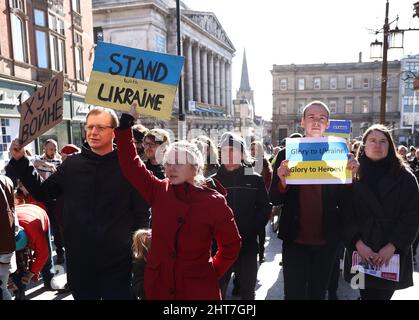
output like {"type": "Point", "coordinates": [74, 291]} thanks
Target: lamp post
{"type": "Point", "coordinates": [415, 102]}
{"type": "Point", "coordinates": [182, 118]}
{"type": "Point", "coordinates": [386, 28]}
{"type": "Point", "coordinates": [396, 36]}
{"type": "Point", "coordinates": [376, 53]}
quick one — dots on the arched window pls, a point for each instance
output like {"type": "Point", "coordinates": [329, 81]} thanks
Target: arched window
{"type": "Point", "coordinates": [18, 38]}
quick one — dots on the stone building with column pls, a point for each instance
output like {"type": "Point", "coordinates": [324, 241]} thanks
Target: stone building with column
{"type": "Point", "coordinates": [151, 25]}
{"type": "Point", "coordinates": [351, 90]}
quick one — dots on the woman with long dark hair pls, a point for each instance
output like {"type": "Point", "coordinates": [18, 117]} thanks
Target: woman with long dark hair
{"type": "Point", "coordinates": [383, 217]}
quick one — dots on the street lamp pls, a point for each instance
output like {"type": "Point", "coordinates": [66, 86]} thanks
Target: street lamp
{"type": "Point", "coordinates": [375, 46]}
{"type": "Point", "coordinates": [396, 37]}
{"type": "Point", "coordinates": [182, 118]}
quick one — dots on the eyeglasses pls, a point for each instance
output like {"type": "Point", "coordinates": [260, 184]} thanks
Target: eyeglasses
{"type": "Point", "coordinates": [150, 144]}
{"type": "Point", "coordinates": [99, 128]}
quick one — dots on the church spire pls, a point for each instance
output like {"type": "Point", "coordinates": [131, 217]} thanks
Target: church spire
{"type": "Point", "coordinates": [244, 83]}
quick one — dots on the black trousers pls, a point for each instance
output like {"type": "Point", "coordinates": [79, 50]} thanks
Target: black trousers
{"type": "Point", "coordinates": [245, 268]}
{"type": "Point", "coordinates": [376, 294]}
{"type": "Point", "coordinates": [55, 227]}
{"type": "Point", "coordinates": [103, 288]}
{"type": "Point", "coordinates": [334, 276]}
{"type": "Point", "coordinates": [307, 270]}
{"type": "Point", "coordinates": [261, 242]}
{"type": "Point", "coordinates": [415, 244]}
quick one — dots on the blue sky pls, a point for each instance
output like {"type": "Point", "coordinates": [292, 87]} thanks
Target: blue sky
{"type": "Point", "coordinates": [303, 31]}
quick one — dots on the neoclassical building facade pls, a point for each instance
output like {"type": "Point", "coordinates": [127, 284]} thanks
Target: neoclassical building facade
{"type": "Point", "coordinates": [208, 52]}
{"type": "Point", "coordinates": [351, 90]}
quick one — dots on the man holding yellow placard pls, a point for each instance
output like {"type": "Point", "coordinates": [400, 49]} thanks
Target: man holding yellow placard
{"type": "Point", "coordinates": [310, 222]}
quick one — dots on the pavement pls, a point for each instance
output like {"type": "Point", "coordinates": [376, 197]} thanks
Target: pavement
{"type": "Point", "coordinates": [270, 281]}
{"type": "Point", "coordinates": [269, 285]}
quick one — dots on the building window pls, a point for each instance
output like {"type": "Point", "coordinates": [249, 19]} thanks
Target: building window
{"type": "Point", "coordinates": [41, 38]}
{"type": "Point", "coordinates": [75, 5]}
{"type": "Point", "coordinates": [18, 38]}
{"type": "Point", "coordinates": [78, 54]}
{"type": "Point", "coordinates": [301, 84]}
{"type": "Point", "coordinates": [349, 106]}
{"type": "Point", "coordinates": [50, 40]}
{"type": "Point", "coordinates": [283, 109]}
{"type": "Point", "coordinates": [17, 4]}
{"type": "Point", "coordinates": [41, 48]}
{"type": "Point", "coordinates": [333, 107]}
{"type": "Point", "coordinates": [40, 19]}
{"type": "Point", "coordinates": [283, 85]}
{"type": "Point", "coordinates": [301, 106]}
{"type": "Point", "coordinates": [57, 53]}
{"type": "Point", "coordinates": [97, 34]}
{"type": "Point", "coordinates": [388, 105]}
{"type": "Point", "coordinates": [56, 24]}
{"type": "Point", "coordinates": [349, 82]}
{"type": "Point", "coordinates": [5, 140]}
{"type": "Point", "coordinates": [366, 83]}
{"type": "Point", "coordinates": [161, 43]}
{"type": "Point", "coordinates": [56, 44]}
{"type": "Point", "coordinates": [365, 108]}
{"type": "Point", "coordinates": [317, 83]}
{"type": "Point", "coordinates": [333, 83]}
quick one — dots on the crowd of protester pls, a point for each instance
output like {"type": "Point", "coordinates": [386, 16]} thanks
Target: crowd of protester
{"type": "Point", "coordinates": [134, 215]}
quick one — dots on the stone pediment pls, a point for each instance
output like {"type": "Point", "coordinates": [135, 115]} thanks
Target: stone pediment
{"type": "Point", "coordinates": [209, 22]}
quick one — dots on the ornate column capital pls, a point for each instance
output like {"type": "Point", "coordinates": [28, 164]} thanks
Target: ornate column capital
{"type": "Point", "coordinates": [203, 48]}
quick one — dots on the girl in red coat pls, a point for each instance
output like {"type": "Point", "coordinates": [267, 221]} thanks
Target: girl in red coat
{"type": "Point", "coordinates": [187, 215]}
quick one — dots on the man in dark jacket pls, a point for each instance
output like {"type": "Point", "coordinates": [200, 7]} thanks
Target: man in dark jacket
{"type": "Point", "coordinates": [310, 224]}
{"type": "Point", "coordinates": [101, 210]}
{"type": "Point", "coordinates": [247, 197]}
{"type": "Point", "coordinates": [155, 143]}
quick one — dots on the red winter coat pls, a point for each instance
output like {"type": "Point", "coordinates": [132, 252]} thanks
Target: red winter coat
{"type": "Point", "coordinates": [186, 219]}
{"type": "Point", "coordinates": [34, 221]}
{"type": "Point", "coordinates": [28, 199]}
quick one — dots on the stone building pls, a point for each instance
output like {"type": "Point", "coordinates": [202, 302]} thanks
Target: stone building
{"type": "Point", "coordinates": [351, 90]}
{"type": "Point", "coordinates": [409, 101]}
{"type": "Point", "coordinates": [208, 52]}
{"type": "Point", "coordinates": [40, 38]}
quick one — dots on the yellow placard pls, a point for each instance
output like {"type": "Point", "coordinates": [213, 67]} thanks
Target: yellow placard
{"type": "Point", "coordinates": [319, 172]}
{"type": "Point", "coordinates": [118, 92]}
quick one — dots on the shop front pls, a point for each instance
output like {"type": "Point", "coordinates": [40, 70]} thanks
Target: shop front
{"type": "Point", "coordinates": [70, 130]}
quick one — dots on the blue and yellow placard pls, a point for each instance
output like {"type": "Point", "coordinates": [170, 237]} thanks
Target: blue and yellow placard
{"type": "Point", "coordinates": [340, 128]}
{"type": "Point", "coordinates": [123, 76]}
{"type": "Point", "coordinates": [317, 161]}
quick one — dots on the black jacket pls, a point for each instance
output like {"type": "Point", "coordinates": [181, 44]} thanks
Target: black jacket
{"type": "Point", "coordinates": [394, 219]}
{"type": "Point", "coordinates": [101, 211]}
{"type": "Point", "coordinates": [333, 198]}
{"type": "Point", "coordinates": [137, 287]}
{"type": "Point", "coordinates": [247, 197]}
{"type": "Point", "coordinates": [157, 169]}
